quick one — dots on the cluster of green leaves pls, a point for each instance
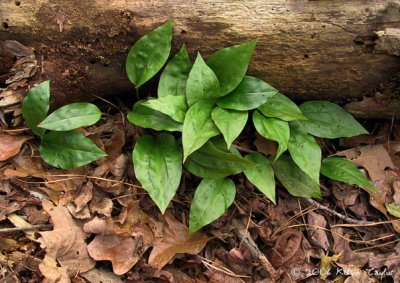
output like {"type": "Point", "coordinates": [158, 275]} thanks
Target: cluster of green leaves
{"type": "Point", "coordinates": [209, 103]}
{"type": "Point", "coordinates": [61, 146]}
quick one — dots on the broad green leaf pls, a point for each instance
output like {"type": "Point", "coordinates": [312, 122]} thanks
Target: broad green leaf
{"type": "Point", "coordinates": [202, 84]}
{"type": "Point", "coordinates": [229, 122]}
{"type": "Point", "coordinates": [220, 144]}
{"type": "Point", "coordinates": [157, 164]}
{"type": "Point", "coordinates": [261, 176]}
{"type": "Point", "coordinates": [145, 117]}
{"type": "Point", "coordinates": [393, 209]}
{"type": "Point", "coordinates": [68, 149]}
{"type": "Point", "coordinates": [173, 78]}
{"type": "Point", "coordinates": [173, 106]}
{"type": "Point", "coordinates": [230, 64]}
{"type": "Point", "coordinates": [36, 105]}
{"type": "Point", "coordinates": [305, 152]}
{"type": "Point", "coordinates": [328, 120]}
{"type": "Point", "coordinates": [211, 162]}
{"type": "Point", "coordinates": [149, 54]}
{"type": "Point", "coordinates": [72, 116]}
{"type": "Point", "coordinates": [249, 94]}
{"type": "Point", "coordinates": [198, 127]}
{"type": "Point", "coordinates": [344, 170]}
{"type": "Point", "coordinates": [294, 179]}
{"type": "Point", "coordinates": [280, 106]}
{"type": "Point", "coordinates": [273, 129]}
{"type": "Point", "coordinates": [211, 199]}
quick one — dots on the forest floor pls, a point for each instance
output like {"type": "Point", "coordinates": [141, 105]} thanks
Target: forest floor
{"type": "Point", "coordinates": [97, 219]}
{"type": "Point", "coordinates": [96, 224]}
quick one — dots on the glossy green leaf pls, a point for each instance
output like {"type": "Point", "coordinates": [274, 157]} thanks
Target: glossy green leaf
{"type": "Point", "coordinates": [393, 209]}
{"type": "Point", "coordinates": [230, 64]}
{"type": "Point", "coordinates": [229, 122]}
{"type": "Point", "coordinates": [198, 127]}
{"type": "Point", "coordinates": [173, 106]}
{"type": "Point", "coordinates": [261, 176]}
{"type": "Point", "coordinates": [273, 129]}
{"type": "Point", "coordinates": [328, 120]}
{"type": "Point", "coordinates": [294, 179]}
{"type": "Point", "coordinates": [202, 84]}
{"type": "Point", "coordinates": [149, 54]}
{"type": "Point", "coordinates": [211, 162]}
{"type": "Point", "coordinates": [220, 144]}
{"type": "Point", "coordinates": [280, 106]}
{"type": "Point", "coordinates": [211, 199]}
{"type": "Point", "coordinates": [249, 94]}
{"type": "Point", "coordinates": [344, 170]}
{"type": "Point", "coordinates": [68, 149]}
{"type": "Point", "coordinates": [305, 152]}
{"type": "Point", "coordinates": [36, 105]}
{"type": "Point", "coordinates": [173, 78]}
{"type": "Point", "coordinates": [72, 116]}
{"type": "Point", "coordinates": [145, 117]}
{"type": "Point", "coordinates": [158, 167]}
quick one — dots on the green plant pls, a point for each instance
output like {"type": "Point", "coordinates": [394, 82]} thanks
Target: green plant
{"type": "Point", "coordinates": [61, 146]}
{"type": "Point", "coordinates": [207, 99]}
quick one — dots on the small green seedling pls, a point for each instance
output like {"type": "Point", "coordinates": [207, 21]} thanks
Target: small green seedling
{"type": "Point", "coordinates": [61, 146]}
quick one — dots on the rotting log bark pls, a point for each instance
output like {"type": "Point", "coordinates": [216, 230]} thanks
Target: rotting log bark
{"type": "Point", "coordinates": [308, 49]}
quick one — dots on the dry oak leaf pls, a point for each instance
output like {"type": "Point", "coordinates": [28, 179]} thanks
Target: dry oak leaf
{"type": "Point", "coordinates": [317, 230]}
{"type": "Point", "coordinates": [65, 244]}
{"type": "Point", "coordinates": [10, 145]}
{"type": "Point", "coordinates": [176, 240]}
{"type": "Point", "coordinates": [120, 250]}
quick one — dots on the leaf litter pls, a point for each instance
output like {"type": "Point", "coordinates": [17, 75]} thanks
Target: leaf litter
{"type": "Point", "coordinates": [96, 223]}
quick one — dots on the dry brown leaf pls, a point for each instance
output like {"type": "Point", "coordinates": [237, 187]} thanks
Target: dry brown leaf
{"type": "Point", "coordinates": [132, 221]}
{"type": "Point", "coordinates": [103, 206]}
{"type": "Point", "coordinates": [341, 246]}
{"type": "Point", "coordinates": [65, 244]}
{"type": "Point", "coordinates": [118, 166]}
{"type": "Point", "coordinates": [84, 196]}
{"type": "Point", "coordinates": [11, 145]}
{"type": "Point", "coordinates": [176, 240]}
{"type": "Point", "coordinates": [121, 250]}
{"type": "Point", "coordinates": [101, 276]}
{"type": "Point", "coordinates": [390, 261]}
{"type": "Point", "coordinates": [356, 274]}
{"type": "Point", "coordinates": [286, 246]}
{"type": "Point", "coordinates": [53, 272]}
{"type": "Point", "coordinates": [317, 235]}
{"type": "Point", "coordinates": [81, 214]}
{"type": "Point", "coordinates": [6, 207]}
{"type": "Point", "coordinates": [374, 158]}
{"type": "Point", "coordinates": [100, 226]}
{"type": "Point", "coordinates": [173, 275]}
{"type": "Point", "coordinates": [113, 147]}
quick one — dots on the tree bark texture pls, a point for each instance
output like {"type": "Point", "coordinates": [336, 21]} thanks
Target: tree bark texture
{"type": "Point", "coordinates": [327, 49]}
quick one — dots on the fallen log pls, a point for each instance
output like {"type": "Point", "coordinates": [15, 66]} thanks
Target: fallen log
{"type": "Point", "coordinates": [334, 50]}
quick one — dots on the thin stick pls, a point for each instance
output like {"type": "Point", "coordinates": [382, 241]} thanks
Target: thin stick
{"type": "Point", "coordinates": [15, 130]}
{"type": "Point", "coordinates": [24, 229]}
{"type": "Point", "coordinates": [248, 241]}
{"type": "Point", "coordinates": [74, 176]}
{"type": "Point", "coordinates": [337, 214]}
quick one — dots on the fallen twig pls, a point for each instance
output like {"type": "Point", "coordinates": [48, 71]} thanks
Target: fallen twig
{"type": "Point", "coordinates": [24, 229]}
{"type": "Point", "coordinates": [335, 213]}
{"type": "Point", "coordinates": [248, 241]}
